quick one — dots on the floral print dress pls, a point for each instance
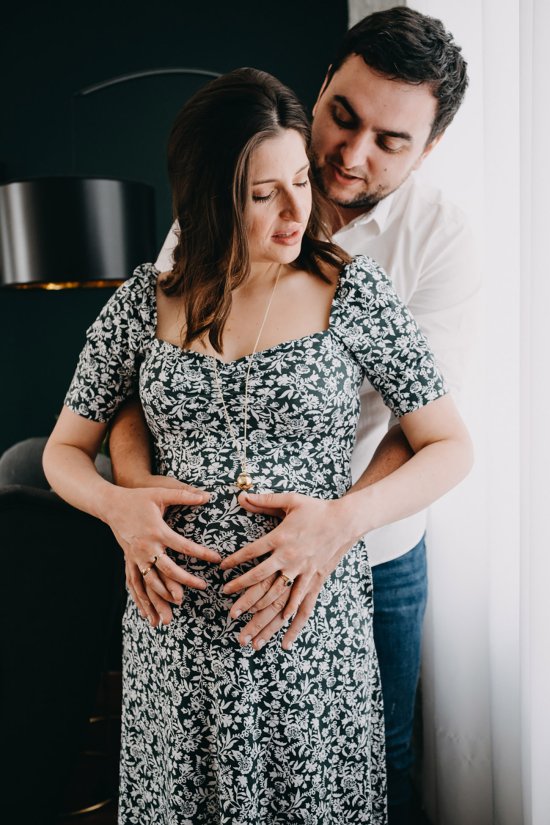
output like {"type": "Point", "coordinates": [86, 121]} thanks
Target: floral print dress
{"type": "Point", "coordinates": [215, 733]}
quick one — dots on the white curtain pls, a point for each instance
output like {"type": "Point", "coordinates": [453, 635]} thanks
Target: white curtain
{"type": "Point", "coordinates": [486, 669]}
{"type": "Point", "coordinates": [535, 391]}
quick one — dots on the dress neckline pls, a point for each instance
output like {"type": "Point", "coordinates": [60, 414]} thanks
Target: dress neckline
{"type": "Point", "coordinates": [243, 358]}
{"type": "Point", "coordinates": [319, 334]}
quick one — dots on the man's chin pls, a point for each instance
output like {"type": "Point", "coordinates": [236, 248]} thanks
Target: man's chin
{"type": "Point", "coordinates": [364, 201]}
{"type": "Point", "coordinates": [365, 204]}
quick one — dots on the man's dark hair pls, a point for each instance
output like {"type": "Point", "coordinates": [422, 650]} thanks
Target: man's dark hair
{"type": "Point", "coordinates": [403, 44]}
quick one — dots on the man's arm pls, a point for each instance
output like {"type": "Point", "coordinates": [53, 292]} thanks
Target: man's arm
{"type": "Point", "coordinates": [446, 301]}
{"type": "Point", "coordinates": [130, 446]}
{"type": "Point", "coordinates": [393, 451]}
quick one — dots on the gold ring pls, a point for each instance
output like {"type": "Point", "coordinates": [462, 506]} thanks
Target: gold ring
{"type": "Point", "coordinates": [287, 580]}
{"type": "Point", "coordinates": [145, 571]}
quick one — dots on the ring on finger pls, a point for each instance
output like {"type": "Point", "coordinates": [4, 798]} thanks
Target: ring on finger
{"type": "Point", "coordinates": [288, 582]}
{"type": "Point", "coordinates": [146, 570]}
{"type": "Point", "coordinates": [156, 558]}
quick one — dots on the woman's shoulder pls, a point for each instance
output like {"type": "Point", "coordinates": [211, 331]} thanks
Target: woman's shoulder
{"type": "Point", "coordinates": [142, 282]}
{"type": "Point", "coordinates": [133, 303]}
{"type": "Point", "coordinates": [136, 295]}
{"type": "Point", "coordinates": [362, 281]}
{"type": "Point", "coordinates": [362, 269]}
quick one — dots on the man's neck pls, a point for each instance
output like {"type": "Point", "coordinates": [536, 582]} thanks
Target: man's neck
{"type": "Point", "coordinates": [343, 216]}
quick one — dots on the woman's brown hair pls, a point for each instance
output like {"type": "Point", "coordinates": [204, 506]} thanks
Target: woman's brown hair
{"type": "Point", "coordinates": [209, 151]}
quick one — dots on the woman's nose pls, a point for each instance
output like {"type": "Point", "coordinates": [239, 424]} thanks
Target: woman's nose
{"type": "Point", "coordinates": [294, 209]}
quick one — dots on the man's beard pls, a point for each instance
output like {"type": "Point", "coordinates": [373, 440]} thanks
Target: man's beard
{"type": "Point", "coordinates": [365, 201]}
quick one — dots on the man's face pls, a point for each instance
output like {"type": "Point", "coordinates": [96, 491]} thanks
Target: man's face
{"type": "Point", "coordinates": [369, 134]}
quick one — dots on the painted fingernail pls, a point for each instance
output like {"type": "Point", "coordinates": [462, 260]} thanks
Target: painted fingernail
{"type": "Point", "coordinates": [247, 640]}
{"type": "Point", "coordinates": [238, 613]}
{"type": "Point", "coordinates": [260, 643]}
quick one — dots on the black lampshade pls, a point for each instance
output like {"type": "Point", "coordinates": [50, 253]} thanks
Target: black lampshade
{"type": "Point", "coordinates": [71, 231]}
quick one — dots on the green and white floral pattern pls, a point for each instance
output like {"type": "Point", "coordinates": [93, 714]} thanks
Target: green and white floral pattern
{"type": "Point", "coordinates": [214, 733]}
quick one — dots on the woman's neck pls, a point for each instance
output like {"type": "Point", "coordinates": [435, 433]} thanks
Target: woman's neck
{"type": "Point", "coordinates": [262, 276]}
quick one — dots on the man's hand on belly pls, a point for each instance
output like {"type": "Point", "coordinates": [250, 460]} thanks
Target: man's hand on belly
{"type": "Point", "coordinates": [267, 621]}
{"type": "Point", "coordinates": [300, 553]}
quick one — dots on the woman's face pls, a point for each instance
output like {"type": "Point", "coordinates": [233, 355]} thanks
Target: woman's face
{"type": "Point", "coordinates": [279, 199]}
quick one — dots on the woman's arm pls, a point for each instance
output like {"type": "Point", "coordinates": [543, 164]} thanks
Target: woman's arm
{"type": "Point", "coordinates": [130, 451]}
{"type": "Point", "coordinates": [312, 530]}
{"type": "Point", "coordinates": [135, 516]}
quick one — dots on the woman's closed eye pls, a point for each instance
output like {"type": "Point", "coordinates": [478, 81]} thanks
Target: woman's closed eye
{"type": "Point", "coordinates": [264, 198]}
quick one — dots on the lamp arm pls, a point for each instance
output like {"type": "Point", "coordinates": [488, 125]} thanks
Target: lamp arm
{"type": "Point", "coordinates": [125, 78]}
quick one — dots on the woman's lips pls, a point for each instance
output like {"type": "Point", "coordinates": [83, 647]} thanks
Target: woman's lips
{"type": "Point", "coordinates": [287, 238]}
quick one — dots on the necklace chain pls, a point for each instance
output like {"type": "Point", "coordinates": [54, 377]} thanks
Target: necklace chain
{"type": "Point", "coordinates": [244, 481]}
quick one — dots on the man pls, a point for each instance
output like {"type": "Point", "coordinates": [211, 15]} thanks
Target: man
{"type": "Point", "coordinates": [393, 88]}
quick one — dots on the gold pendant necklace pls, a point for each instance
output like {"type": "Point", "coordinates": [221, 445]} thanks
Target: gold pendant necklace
{"type": "Point", "coordinates": [244, 479]}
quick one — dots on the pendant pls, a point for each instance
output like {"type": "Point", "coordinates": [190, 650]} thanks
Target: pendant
{"type": "Point", "coordinates": [244, 482]}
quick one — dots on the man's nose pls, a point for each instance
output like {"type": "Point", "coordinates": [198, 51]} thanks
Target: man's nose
{"type": "Point", "coordinates": [355, 151]}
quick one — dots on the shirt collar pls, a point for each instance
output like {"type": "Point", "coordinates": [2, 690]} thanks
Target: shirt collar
{"type": "Point", "coordinates": [378, 216]}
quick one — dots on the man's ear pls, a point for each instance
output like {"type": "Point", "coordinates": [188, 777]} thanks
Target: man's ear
{"type": "Point", "coordinates": [427, 150]}
{"type": "Point", "coordinates": [326, 81]}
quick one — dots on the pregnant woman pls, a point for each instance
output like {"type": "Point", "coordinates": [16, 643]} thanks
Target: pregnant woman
{"type": "Point", "coordinates": [248, 357]}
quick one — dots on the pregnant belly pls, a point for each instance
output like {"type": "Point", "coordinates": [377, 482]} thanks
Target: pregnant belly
{"type": "Point", "coordinates": [222, 525]}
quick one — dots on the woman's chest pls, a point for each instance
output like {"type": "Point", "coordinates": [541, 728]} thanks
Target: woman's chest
{"type": "Point", "coordinates": [293, 387]}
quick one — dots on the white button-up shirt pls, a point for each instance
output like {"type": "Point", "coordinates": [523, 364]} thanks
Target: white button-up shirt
{"type": "Point", "coordinates": [424, 244]}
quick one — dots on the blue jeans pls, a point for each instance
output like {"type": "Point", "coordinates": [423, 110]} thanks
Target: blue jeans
{"type": "Point", "coordinates": [400, 593]}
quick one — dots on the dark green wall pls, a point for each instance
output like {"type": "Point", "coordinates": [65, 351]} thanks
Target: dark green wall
{"type": "Point", "coordinates": [49, 52]}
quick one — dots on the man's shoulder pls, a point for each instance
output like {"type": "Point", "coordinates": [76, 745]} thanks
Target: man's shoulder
{"type": "Point", "coordinates": [420, 205]}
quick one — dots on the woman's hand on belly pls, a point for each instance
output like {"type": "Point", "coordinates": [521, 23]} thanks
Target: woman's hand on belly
{"type": "Point", "coordinates": [153, 578]}
{"type": "Point", "coordinates": [301, 552]}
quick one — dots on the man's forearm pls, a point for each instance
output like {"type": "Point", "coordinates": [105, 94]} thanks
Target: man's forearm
{"type": "Point", "coordinates": [130, 445]}
{"type": "Point", "coordinates": [392, 452]}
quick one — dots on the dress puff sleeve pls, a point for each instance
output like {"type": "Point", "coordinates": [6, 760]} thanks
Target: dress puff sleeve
{"type": "Point", "coordinates": [108, 366]}
{"type": "Point", "coordinates": [383, 337]}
